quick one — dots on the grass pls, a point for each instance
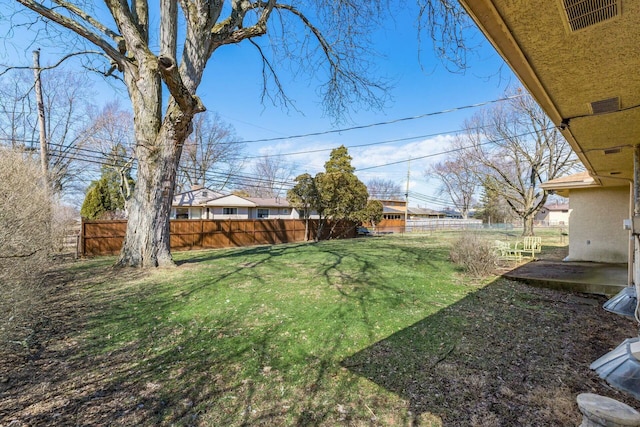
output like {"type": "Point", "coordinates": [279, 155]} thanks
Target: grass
{"type": "Point", "coordinates": [370, 331]}
{"type": "Point", "coordinates": [260, 333]}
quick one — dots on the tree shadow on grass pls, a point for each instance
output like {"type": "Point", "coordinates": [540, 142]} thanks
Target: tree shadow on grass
{"type": "Point", "coordinates": [208, 255]}
{"type": "Point", "coordinates": [496, 357]}
{"type": "Point", "coordinates": [508, 354]}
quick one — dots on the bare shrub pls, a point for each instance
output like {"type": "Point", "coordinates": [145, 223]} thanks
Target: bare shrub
{"type": "Point", "coordinates": [474, 254]}
{"type": "Point", "coordinates": [25, 233]}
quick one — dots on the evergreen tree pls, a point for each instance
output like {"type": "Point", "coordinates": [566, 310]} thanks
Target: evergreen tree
{"type": "Point", "coordinates": [373, 212]}
{"type": "Point", "coordinates": [97, 201]}
{"type": "Point", "coordinates": [341, 195]}
{"type": "Point", "coordinates": [109, 194]}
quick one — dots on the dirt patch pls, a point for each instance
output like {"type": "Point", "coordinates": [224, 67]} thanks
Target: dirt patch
{"type": "Point", "coordinates": [508, 354]}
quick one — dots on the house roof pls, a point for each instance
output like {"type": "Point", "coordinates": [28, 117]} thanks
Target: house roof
{"type": "Point", "coordinates": [269, 202]}
{"type": "Point", "coordinates": [582, 72]}
{"type": "Point", "coordinates": [390, 210]}
{"type": "Point", "coordinates": [232, 200]}
{"type": "Point", "coordinates": [557, 207]}
{"type": "Point", "coordinates": [424, 212]}
{"type": "Point", "coordinates": [563, 184]}
{"type": "Point", "coordinates": [195, 197]}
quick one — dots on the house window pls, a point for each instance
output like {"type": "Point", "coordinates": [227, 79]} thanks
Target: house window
{"type": "Point", "coordinates": [263, 213]}
{"type": "Point", "coordinates": [285, 211]}
{"type": "Point", "coordinates": [182, 213]}
{"type": "Point", "coordinates": [230, 211]}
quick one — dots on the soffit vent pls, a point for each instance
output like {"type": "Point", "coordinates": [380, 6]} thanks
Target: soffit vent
{"type": "Point", "coordinates": [608, 105]}
{"type": "Point", "coordinates": [584, 13]}
{"type": "Point", "coordinates": [612, 151]}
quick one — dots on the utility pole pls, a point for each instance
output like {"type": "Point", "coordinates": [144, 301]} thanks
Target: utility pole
{"type": "Point", "coordinates": [406, 196]}
{"type": "Point", "coordinates": [44, 158]}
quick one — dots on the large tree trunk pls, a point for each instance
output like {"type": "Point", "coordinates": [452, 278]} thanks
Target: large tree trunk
{"type": "Point", "coordinates": [527, 223]}
{"type": "Point", "coordinates": [158, 149]}
{"type": "Point", "coordinates": [147, 242]}
{"type": "Point", "coordinates": [321, 221]}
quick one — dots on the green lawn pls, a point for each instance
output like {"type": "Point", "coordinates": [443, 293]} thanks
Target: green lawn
{"type": "Point", "coordinates": [267, 335]}
{"type": "Point", "coordinates": [258, 334]}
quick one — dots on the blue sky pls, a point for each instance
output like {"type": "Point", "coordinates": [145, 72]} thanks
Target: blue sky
{"type": "Point", "coordinates": [416, 92]}
{"type": "Point", "coordinates": [232, 83]}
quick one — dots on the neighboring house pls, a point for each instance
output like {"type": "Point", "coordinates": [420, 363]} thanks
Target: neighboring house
{"type": "Point", "coordinates": [597, 213]}
{"type": "Point", "coordinates": [553, 214]}
{"type": "Point", "coordinates": [202, 203]}
{"type": "Point", "coordinates": [451, 213]}
{"type": "Point", "coordinates": [417, 213]}
{"type": "Point", "coordinates": [393, 209]}
{"type": "Point", "coordinates": [237, 207]}
{"type": "Point", "coordinates": [190, 204]}
{"type": "Point", "coordinates": [392, 213]}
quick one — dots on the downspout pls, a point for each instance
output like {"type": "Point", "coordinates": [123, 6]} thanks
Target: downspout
{"type": "Point", "coordinates": [630, 279]}
{"type": "Point", "coordinates": [636, 216]}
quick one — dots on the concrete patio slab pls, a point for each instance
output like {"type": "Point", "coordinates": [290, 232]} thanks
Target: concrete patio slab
{"type": "Point", "coordinates": [589, 277]}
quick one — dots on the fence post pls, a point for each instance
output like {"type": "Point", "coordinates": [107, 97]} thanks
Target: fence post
{"type": "Point", "coordinates": [82, 237]}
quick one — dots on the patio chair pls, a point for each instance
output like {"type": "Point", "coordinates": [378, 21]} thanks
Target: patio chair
{"type": "Point", "coordinates": [506, 252]}
{"type": "Point", "coordinates": [531, 244]}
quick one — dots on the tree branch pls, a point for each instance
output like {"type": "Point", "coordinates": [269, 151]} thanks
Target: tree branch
{"type": "Point", "coordinates": [168, 28]}
{"type": "Point", "coordinates": [266, 65]}
{"type": "Point", "coordinates": [232, 30]}
{"type": "Point", "coordinates": [140, 15]}
{"type": "Point", "coordinates": [117, 38]}
{"type": "Point", "coordinates": [177, 88]}
{"type": "Point", "coordinates": [74, 26]}
{"type": "Point", "coordinates": [57, 64]}
{"type": "Point", "coordinates": [130, 28]}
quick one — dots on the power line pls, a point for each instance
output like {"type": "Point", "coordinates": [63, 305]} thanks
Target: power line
{"type": "Point", "coordinates": [389, 122]}
{"type": "Point", "coordinates": [455, 131]}
{"type": "Point", "coordinates": [453, 150]}
{"type": "Point", "coordinates": [388, 141]}
{"type": "Point", "coordinates": [246, 179]}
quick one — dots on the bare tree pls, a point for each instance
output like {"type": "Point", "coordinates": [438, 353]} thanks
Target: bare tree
{"type": "Point", "coordinates": [304, 196]}
{"type": "Point", "coordinates": [458, 180]}
{"type": "Point", "coordinates": [444, 23]}
{"type": "Point", "coordinates": [492, 207]}
{"type": "Point", "coordinates": [111, 143]}
{"type": "Point", "coordinates": [518, 147]}
{"type": "Point", "coordinates": [271, 176]}
{"type": "Point", "coordinates": [211, 155]}
{"type": "Point", "coordinates": [327, 36]}
{"type": "Point", "coordinates": [66, 103]}
{"type": "Point", "coordinates": [16, 124]}
{"type": "Point", "coordinates": [384, 189]}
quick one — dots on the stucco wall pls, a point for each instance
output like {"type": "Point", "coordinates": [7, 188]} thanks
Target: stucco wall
{"type": "Point", "coordinates": [595, 226]}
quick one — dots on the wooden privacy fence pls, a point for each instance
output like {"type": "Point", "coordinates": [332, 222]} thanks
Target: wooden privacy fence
{"type": "Point", "coordinates": [106, 237]}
